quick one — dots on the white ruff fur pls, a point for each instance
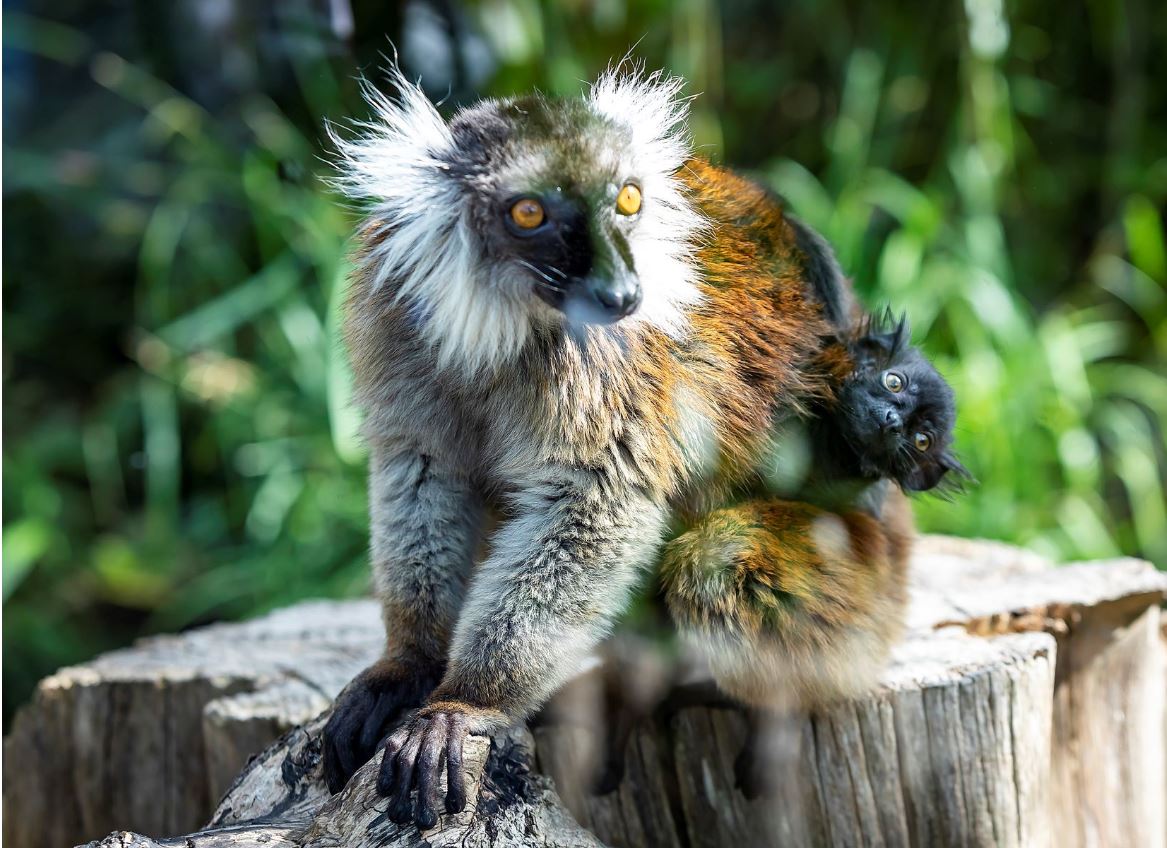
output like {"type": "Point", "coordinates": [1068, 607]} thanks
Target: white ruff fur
{"type": "Point", "coordinates": [664, 241]}
{"type": "Point", "coordinates": [396, 166]}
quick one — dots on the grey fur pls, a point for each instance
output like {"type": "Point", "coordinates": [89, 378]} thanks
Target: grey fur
{"type": "Point", "coordinates": [425, 527]}
{"type": "Point", "coordinates": [581, 512]}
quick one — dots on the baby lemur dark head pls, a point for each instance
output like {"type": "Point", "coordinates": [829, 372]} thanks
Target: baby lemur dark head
{"type": "Point", "coordinates": [895, 413]}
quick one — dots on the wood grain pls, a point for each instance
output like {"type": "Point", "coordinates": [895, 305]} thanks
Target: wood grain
{"type": "Point", "coordinates": [1048, 732]}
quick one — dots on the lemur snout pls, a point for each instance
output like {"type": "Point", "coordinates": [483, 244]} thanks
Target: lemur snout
{"type": "Point", "coordinates": [892, 422]}
{"type": "Point", "coordinates": [618, 298]}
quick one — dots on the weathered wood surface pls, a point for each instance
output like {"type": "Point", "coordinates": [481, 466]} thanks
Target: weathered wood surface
{"type": "Point", "coordinates": [872, 772]}
{"type": "Point", "coordinates": [1108, 778]}
{"type": "Point", "coordinates": [955, 748]}
{"type": "Point", "coordinates": [150, 737]}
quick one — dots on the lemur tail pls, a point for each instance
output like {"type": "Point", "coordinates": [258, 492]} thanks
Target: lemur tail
{"type": "Point", "coordinates": [795, 606]}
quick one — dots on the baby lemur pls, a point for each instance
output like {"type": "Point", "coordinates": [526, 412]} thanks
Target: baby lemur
{"type": "Point", "coordinates": [561, 320]}
{"type": "Point", "coordinates": [889, 421]}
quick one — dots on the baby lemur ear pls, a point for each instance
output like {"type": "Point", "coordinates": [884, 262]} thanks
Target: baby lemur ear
{"type": "Point", "coordinates": [957, 477]}
{"type": "Point", "coordinates": [883, 336]}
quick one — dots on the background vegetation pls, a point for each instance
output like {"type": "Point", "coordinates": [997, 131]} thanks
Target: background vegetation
{"type": "Point", "coordinates": [177, 444]}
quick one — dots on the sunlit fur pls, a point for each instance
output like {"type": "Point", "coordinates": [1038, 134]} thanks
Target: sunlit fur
{"type": "Point", "coordinates": [589, 443]}
{"type": "Point", "coordinates": [796, 606]}
{"type": "Point", "coordinates": [402, 167]}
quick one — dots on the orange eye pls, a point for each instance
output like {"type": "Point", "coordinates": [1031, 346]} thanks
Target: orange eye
{"type": "Point", "coordinates": [628, 200]}
{"type": "Point", "coordinates": [527, 213]}
{"type": "Point", "coordinates": [922, 441]}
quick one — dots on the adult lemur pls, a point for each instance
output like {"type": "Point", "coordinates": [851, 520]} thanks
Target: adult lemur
{"type": "Point", "coordinates": [561, 319]}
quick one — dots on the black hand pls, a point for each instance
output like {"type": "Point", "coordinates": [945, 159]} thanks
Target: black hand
{"type": "Point", "coordinates": [364, 712]}
{"type": "Point", "coordinates": [414, 756]}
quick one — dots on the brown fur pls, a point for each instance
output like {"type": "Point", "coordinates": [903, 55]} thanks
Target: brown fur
{"type": "Point", "coordinates": [797, 606]}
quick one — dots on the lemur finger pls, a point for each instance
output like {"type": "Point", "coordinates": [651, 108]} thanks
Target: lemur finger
{"type": "Point", "coordinates": [333, 770]}
{"type": "Point", "coordinates": [334, 776]}
{"type": "Point", "coordinates": [401, 808]}
{"type": "Point", "coordinates": [429, 762]}
{"type": "Point", "coordinates": [393, 745]}
{"type": "Point", "coordinates": [339, 734]}
{"type": "Point", "coordinates": [383, 709]}
{"type": "Point", "coordinates": [455, 780]}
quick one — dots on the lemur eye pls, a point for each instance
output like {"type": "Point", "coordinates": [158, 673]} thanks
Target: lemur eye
{"type": "Point", "coordinates": [893, 382]}
{"type": "Point", "coordinates": [527, 213]}
{"type": "Point", "coordinates": [628, 200]}
{"type": "Point", "coordinates": [922, 441]}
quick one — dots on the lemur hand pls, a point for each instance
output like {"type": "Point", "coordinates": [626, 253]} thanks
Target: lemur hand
{"type": "Point", "coordinates": [365, 711]}
{"type": "Point", "coordinates": [416, 752]}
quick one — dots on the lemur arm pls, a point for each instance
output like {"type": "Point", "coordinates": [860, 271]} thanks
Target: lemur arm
{"type": "Point", "coordinates": [560, 569]}
{"type": "Point", "coordinates": [426, 522]}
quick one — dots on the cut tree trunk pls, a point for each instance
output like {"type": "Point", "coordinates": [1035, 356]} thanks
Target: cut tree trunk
{"type": "Point", "coordinates": [968, 740]}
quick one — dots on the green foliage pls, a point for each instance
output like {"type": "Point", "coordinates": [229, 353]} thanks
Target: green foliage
{"type": "Point", "coordinates": [179, 447]}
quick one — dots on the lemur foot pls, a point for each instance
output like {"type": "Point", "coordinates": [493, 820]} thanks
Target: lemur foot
{"type": "Point", "coordinates": [416, 752]}
{"type": "Point", "coordinates": [768, 755]}
{"type": "Point", "coordinates": [364, 712]}
{"type": "Point", "coordinates": [753, 773]}
{"type": "Point", "coordinates": [612, 775]}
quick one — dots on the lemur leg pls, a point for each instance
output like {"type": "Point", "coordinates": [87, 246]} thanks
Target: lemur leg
{"type": "Point", "coordinates": [426, 522]}
{"type": "Point", "coordinates": [769, 752]}
{"type": "Point", "coordinates": [559, 570]}
{"type": "Point", "coordinates": [637, 674]}
{"type": "Point", "coordinates": [796, 606]}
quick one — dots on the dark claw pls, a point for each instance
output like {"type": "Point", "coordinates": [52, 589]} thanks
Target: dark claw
{"type": "Point", "coordinates": [339, 733]}
{"type": "Point", "coordinates": [385, 775]}
{"type": "Point", "coordinates": [429, 762]}
{"type": "Point", "coordinates": [404, 764]}
{"type": "Point", "coordinates": [455, 780]}
{"type": "Point", "coordinates": [378, 718]}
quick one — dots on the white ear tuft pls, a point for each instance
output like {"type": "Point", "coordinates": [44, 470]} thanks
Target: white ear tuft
{"type": "Point", "coordinates": [397, 166]}
{"type": "Point", "coordinates": [649, 105]}
{"type": "Point", "coordinates": [650, 109]}
{"type": "Point", "coordinates": [395, 159]}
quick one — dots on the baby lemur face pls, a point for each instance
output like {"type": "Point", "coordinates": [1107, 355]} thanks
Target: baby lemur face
{"type": "Point", "coordinates": [897, 412]}
{"type": "Point", "coordinates": [528, 211]}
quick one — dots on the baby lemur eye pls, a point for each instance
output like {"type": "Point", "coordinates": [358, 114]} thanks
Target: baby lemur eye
{"type": "Point", "coordinates": [527, 213]}
{"type": "Point", "coordinates": [893, 382]}
{"type": "Point", "coordinates": [628, 200]}
{"type": "Point", "coordinates": [922, 441]}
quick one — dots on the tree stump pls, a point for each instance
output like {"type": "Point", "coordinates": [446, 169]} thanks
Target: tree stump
{"type": "Point", "coordinates": [1049, 731]}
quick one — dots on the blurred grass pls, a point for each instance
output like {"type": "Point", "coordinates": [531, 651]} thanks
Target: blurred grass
{"type": "Point", "coordinates": [178, 444]}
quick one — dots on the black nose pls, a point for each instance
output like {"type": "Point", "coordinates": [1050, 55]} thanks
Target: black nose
{"type": "Point", "coordinates": [607, 300]}
{"type": "Point", "coordinates": [601, 300]}
{"type": "Point", "coordinates": [620, 302]}
{"type": "Point", "coordinates": [892, 422]}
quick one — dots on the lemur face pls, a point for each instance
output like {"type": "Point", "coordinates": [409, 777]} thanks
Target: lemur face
{"type": "Point", "coordinates": [529, 210]}
{"type": "Point", "coordinates": [556, 203]}
{"type": "Point", "coordinates": [898, 413]}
